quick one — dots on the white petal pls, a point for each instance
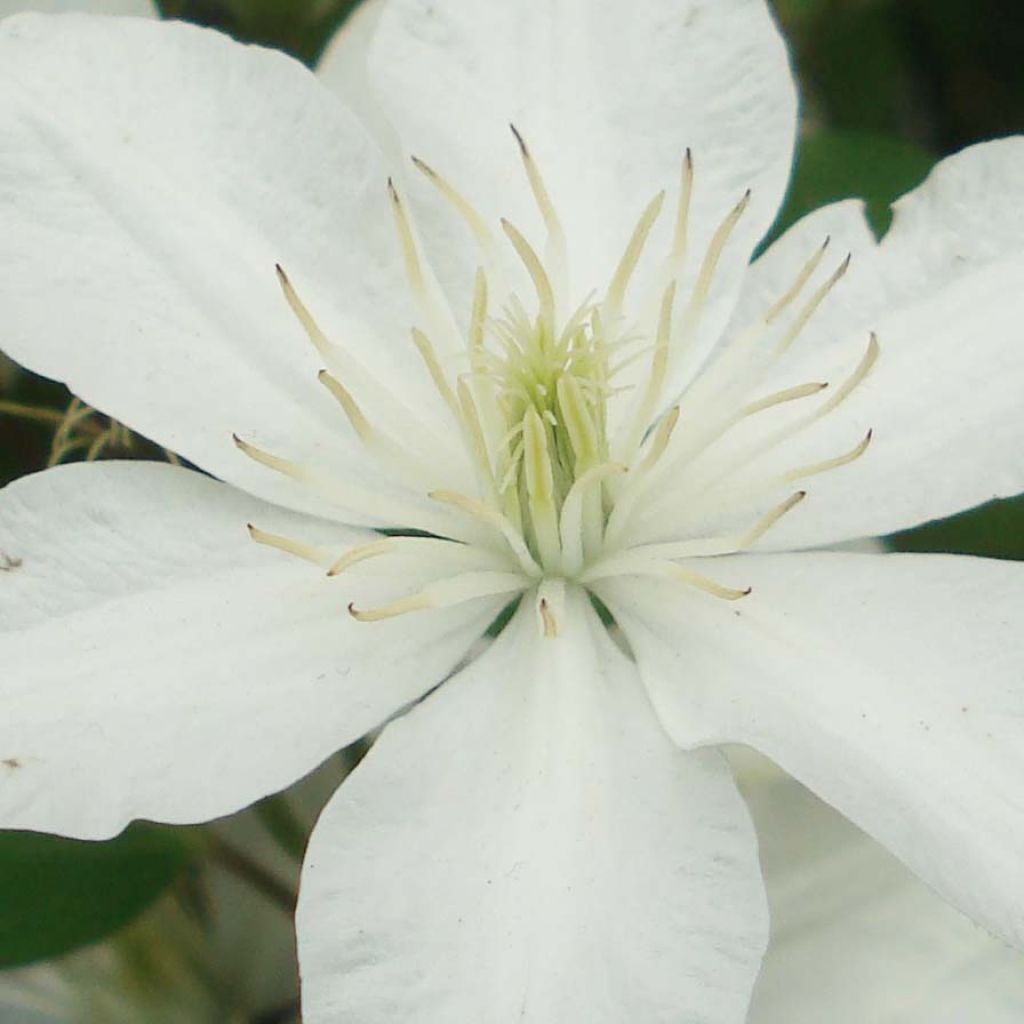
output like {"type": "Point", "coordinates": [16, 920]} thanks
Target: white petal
{"type": "Point", "coordinates": [608, 106]}
{"type": "Point", "coordinates": [943, 294]}
{"type": "Point", "coordinates": [888, 684]}
{"type": "Point", "coordinates": [159, 664]}
{"type": "Point", "coordinates": [151, 175]}
{"type": "Point", "coordinates": [855, 937]}
{"type": "Point", "coordinates": [527, 845]}
{"type": "Point", "coordinates": [138, 8]}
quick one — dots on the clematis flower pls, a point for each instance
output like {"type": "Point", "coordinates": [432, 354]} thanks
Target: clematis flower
{"type": "Point", "coordinates": [442, 368]}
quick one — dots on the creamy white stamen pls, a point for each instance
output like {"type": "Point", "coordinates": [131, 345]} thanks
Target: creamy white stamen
{"type": "Point", "coordinates": [559, 497]}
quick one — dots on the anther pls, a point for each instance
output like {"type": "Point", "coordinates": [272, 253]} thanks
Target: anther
{"type": "Point", "coordinates": [841, 460]}
{"type": "Point", "coordinates": [361, 554]}
{"type": "Point", "coordinates": [534, 267]}
{"type": "Point", "coordinates": [861, 371]}
{"type": "Point", "coordinates": [781, 397]}
{"type": "Point", "coordinates": [548, 620]}
{"type": "Point", "coordinates": [801, 279]}
{"type": "Point", "coordinates": [307, 552]}
{"type": "Point", "coordinates": [302, 314]}
{"type": "Point", "coordinates": [463, 207]}
{"type": "Point", "coordinates": [413, 269]}
{"type": "Point", "coordinates": [634, 250]}
{"type": "Point", "coordinates": [812, 305]}
{"type": "Point", "coordinates": [359, 422]}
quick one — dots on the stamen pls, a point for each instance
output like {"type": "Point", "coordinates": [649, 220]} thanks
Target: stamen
{"type": "Point", "coordinates": [274, 462]}
{"type": "Point", "coordinates": [811, 306]}
{"type": "Point", "coordinates": [861, 371]}
{"type": "Point", "coordinates": [709, 586]}
{"type": "Point", "coordinates": [780, 397]}
{"type": "Point", "coordinates": [478, 443]}
{"type": "Point", "coordinates": [709, 547]}
{"type": "Point", "coordinates": [557, 252]}
{"type": "Point", "coordinates": [302, 314]}
{"type": "Point", "coordinates": [680, 239]}
{"type": "Point", "coordinates": [797, 286]}
{"type": "Point", "coordinates": [410, 252]}
{"type": "Point", "coordinates": [630, 258]}
{"type": "Point", "coordinates": [841, 460]}
{"type": "Point", "coordinates": [493, 518]}
{"type": "Point", "coordinates": [540, 488]}
{"type": "Point", "coordinates": [660, 439]}
{"type": "Point", "coordinates": [359, 422]}
{"type": "Point", "coordinates": [628, 565]}
{"type": "Point", "coordinates": [753, 535]}
{"type": "Point", "coordinates": [534, 267]}
{"type": "Point", "coordinates": [361, 554]}
{"type": "Point", "coordinates": [714, 254]}
{"type": "Point", "coordinates": [659, 366]}
{"type": "Point", "coordinates": [429, 357]}
{"type": "Point", "coordinates": [307, 552]}
{"type": "Point", "coordinates": [551, 606]}
{"type": "Point", "coordinates": [579, 424]}
{"type": "Point", "coordinates": [443, 594]}
{"type": "Point", "coordinates": [550, 625]}
{"type": "Point", "coordinates": [465, 209]}
{"type": "Point", "coordinates": [478, 317]}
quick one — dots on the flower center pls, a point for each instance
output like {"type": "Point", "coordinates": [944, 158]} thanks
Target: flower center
{"type": "Point", "coordinates": [563, 490]}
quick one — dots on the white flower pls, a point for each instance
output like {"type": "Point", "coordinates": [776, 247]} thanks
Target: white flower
{"type": "Point", "coordinates": [599, 398]}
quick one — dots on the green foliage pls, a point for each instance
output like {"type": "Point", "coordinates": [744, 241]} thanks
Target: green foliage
{"type": "Point", "coordinates": [59, 894]}
{"type": "Point", "coordinates": [299, 27]}
{"type": "Point", "coordinates": [835, 165]}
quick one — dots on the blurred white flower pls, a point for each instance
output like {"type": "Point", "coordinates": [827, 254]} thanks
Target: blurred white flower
{"type": "Point", "coordinates": [600, 399]}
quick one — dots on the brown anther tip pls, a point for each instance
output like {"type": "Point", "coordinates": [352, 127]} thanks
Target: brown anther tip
{"type": "Point", "coordinates": [392, 191]}
{"type": "Point", "coordinates": [826, 243]}
{"type": "Point", "coordinates": [250, 528]}
{"type": "Point", "coordinates": [280, 272]}
{"type": "Point", "coordinates": [747, 195]}
{"type": "Point", "coordinates": [519, 139]}
{"type": "Point", "coordinates": [870, 434]}
{"type": "Point", "coordinates": [846, 263]}
{"type": "Point", "coordinates": [353, 610]}
{"type": "Point", "coordinates": [747, 592]}
{"type": "Point", "coordinates": [239, 443]}
{"type": "Point", "coordinates": [422, 165]}
{"type": "Point", "coordinates": [689, 158]}
{"type": "Point", "coordinates": [322, 375]}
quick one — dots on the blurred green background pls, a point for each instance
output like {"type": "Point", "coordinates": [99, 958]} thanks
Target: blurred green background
{"type": "Point", "coordinates": [889, 86]}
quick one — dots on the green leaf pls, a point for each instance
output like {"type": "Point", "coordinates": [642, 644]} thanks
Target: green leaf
{"type": "Point", "coordinates": [58, 894]}
{"type": "Point", "coordinates": [995, 530]}
{"type": "Point", "coordinates": [834, 165]}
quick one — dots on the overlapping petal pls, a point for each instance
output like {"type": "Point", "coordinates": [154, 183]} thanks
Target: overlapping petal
{"type": "Point", "coordinates": [855, 937]}
{"type": "Point", "coordinates": [888, 684]}
{"type": "Point", "coordinates": [526, 844]}
{"type": "Point", "coordinates": [139, 254]}
{"type": "Point", "coordinates": [942, 293]}
{"type": "Point", "coordinates": [158, 664]}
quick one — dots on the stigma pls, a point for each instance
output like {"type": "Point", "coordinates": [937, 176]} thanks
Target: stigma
{"type": "Point", "coordinates": [585, 463]}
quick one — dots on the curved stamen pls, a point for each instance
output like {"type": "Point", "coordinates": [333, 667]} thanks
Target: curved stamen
{"type": "Point", "coordinates": [538, 275]}
{"type": "Point", "coordinates": [493, 518]}
{"type": "Point", "coordinates": [316, 554]}
{"type": "Point", "coordinates": [840, 460]}
{"type": "Point", "coordinates": [361, 554]}
{"type": "Point", "coordinates": [445, 593]}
